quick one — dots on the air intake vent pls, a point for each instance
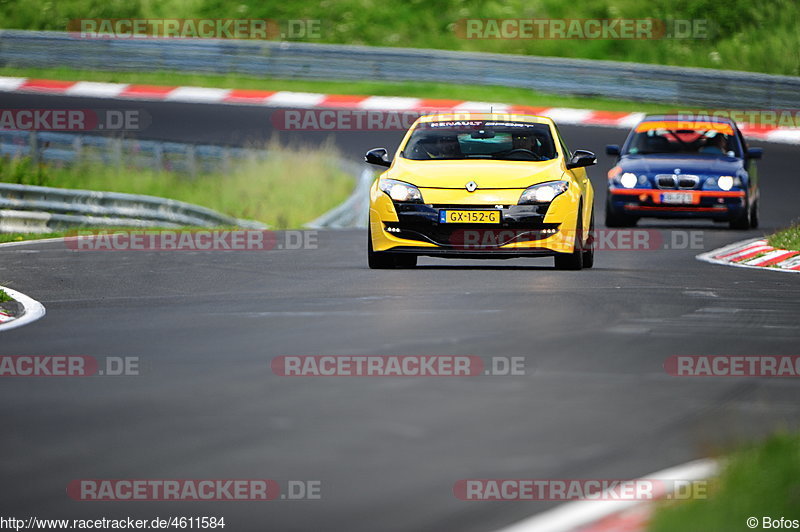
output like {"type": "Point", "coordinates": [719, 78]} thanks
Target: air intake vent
{"type": "Point", "coordinates": [666, 181]}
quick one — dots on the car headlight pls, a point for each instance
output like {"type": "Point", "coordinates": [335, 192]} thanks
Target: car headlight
{"type": "Point", "coordinates": [628, 180]}
{"type": "Point", "coordinates": [400, 191]}
{"type": "Point", "coordinates": [723, 182]}
{"type": "Point", "coordinates": [543, 192]}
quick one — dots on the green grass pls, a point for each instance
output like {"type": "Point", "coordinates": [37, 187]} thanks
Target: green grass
{"type": "Point", "coordinates": [21, 237]}
{"type": "Point", "coordinates": [786, 239]}
{"type": "Point", "coordinates": [368, 88]}
{"type": "Point", "coordinates": [762, 480]}
{"type": "Point", "coordinates": [745, 35]}
{"type": "Point", "coordinates": [3, 296]}
{"type": "Point", "coordinates": [78, 231]}
{"type": "Point", "coordinates": [289, 188]}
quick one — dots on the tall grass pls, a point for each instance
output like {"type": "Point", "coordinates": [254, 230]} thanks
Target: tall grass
{"type": "Point", "coordinates": [761, 480]}
{"type": "Point", "coordinates": [786, 239]}
{"type": "Point", "coordinates": [290, 187]}
{"type": "Point", "coordinates": [746, 35]}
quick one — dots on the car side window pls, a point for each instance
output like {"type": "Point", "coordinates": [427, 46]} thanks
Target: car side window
{"type": "Point", "coordinates": [742, 142]}
{"type": "Point", "coordinates": [567, 153]}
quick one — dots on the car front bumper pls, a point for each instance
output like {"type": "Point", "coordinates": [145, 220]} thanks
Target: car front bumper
{"type": "Point", "coordinates": [718, 205]}
{"type": "Point", "coordinates": [524, 231]}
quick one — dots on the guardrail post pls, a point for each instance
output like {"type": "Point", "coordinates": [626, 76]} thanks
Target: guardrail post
{"type": "Point", "coordinates": [226, 161]}
{"type": "Point", "coordinates": [116, 152]}
{"type": "Point", "coordinates": [33, 144]}
{"type": "Point", "coordinates": [77, 146]}
{"type": "Point", "coordinates": [158, 158]}
{"type": "Point", "coordinates": [191, 160]}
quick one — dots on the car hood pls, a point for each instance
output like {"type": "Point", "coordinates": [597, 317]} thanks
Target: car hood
{"type": "Point", "coordinates": [486, 173]}
{"type": "Point", "coordinates": [667, 164]}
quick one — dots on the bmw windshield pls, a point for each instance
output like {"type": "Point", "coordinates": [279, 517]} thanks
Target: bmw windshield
{"type": "Point", "coordinates": [680, 138]}
{"type": "Point", "coordinates": [480, 139]}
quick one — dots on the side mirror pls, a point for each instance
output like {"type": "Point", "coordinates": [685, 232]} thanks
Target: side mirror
{"type": "Point", "coordinates": [378, 156]}
{"type": "Point", "coordinates": [581, 158]}
{"type": "Point", "coordinates": [755, 153]}
{"type": "Point", "coordinates": [612, 149]}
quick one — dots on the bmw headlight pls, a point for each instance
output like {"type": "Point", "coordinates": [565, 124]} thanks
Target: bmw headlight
{"type": "Point", "coordinates": [400, 191]}
{"type": "Point", "coordinates": [543, 192]}
{"type": "Point", "coordinates": [628, 180]}
{"type": "Point", "coordinates": [726, 182]}
{"type": "Point", "coordinates": [723, 182]}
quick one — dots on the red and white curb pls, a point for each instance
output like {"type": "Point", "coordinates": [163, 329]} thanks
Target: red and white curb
{"type": "Point", "coordinates": [613, 515]}
{"type": "Point", "coordinates": [754, 253]}
{"type": "Point", "coordinates": [308, 100]}
{"type": "Point", "coordinates": [33, 311]}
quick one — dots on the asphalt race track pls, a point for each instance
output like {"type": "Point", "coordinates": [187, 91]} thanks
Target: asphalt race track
{"type": "Point", "coordinates": [595, 401]}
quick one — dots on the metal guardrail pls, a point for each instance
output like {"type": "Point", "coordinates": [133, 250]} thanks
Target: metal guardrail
{"type": "Point", "coordinates": [352, 212]}
{"type": "Point", "coordinates": [631, 81]}
{"type": "Point", "coordinates": [70, 148]}
{"type": "Point", "coordinates": [32, 209]}
{"type": "Point", "coordinates": [35, 209]}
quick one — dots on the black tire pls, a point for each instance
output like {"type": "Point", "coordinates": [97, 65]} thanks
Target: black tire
{"type": "Point", "coordinates": [574, 260]}
{"type": "Point", "coordinates": [618, 220]}
{"type": "Point", "coordinates": [588, 252]}
{"type": "Point", "coordinates": [754, 216]}
{"type": "Point", "coordinates": [383, 260]}
{"type": "Point", "coordinates": [405, 260]}
{"type": "Point", "coordinates": [741, 222]}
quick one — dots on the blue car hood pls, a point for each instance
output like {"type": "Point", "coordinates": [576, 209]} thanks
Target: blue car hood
{"type": "Point", "coordinates": [695, 165]}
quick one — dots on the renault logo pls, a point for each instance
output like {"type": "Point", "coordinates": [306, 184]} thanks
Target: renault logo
{"type": "Point", "coordinates": [472, 186]}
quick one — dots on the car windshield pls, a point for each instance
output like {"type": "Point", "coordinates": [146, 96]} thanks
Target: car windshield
{"type": "Point", "coordinates": [480, 139]}
{"type": "Point", "coordinates": [709, 139]}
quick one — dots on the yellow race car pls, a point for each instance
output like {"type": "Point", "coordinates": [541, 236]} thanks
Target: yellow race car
{"type": "Point", "coordinates": [481, 186]}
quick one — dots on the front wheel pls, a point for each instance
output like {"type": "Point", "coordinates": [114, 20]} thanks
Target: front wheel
{"type": "Point", "coordinates": [741, 222]}
{"type": "Point", "coordinates": [588, 252]}
{"type": "Point", "coordinates": [618, 220]}
{"type": "Point", "coordinates": [754, 216]}
{"type": "Point", "coordinates": [383, 260]}
{"type": "Point", "coordinates": [574, 260]}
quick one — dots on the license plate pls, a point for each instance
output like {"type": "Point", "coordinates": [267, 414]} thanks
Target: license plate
{"type": "Point", "coordinates": [680, 198]}
{"type": "Point", "coordinates": [469, 217]}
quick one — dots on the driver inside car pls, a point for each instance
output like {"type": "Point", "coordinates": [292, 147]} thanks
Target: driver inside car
{"type": "Point", "coordinates": [716, 145]}
{"type": "Point", "coordinates": [445, 147]}
{"type": "Point", "coordinates": [522, 142]}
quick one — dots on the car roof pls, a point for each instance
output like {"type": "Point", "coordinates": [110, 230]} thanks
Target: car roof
{"type": "Point", "coordinates": [688, 118]}
{"type": "Point", "coordinates": [496, 116]}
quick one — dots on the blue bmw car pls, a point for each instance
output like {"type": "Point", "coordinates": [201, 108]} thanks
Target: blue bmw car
{"type": "Point", "coordinates": [671, 167]}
